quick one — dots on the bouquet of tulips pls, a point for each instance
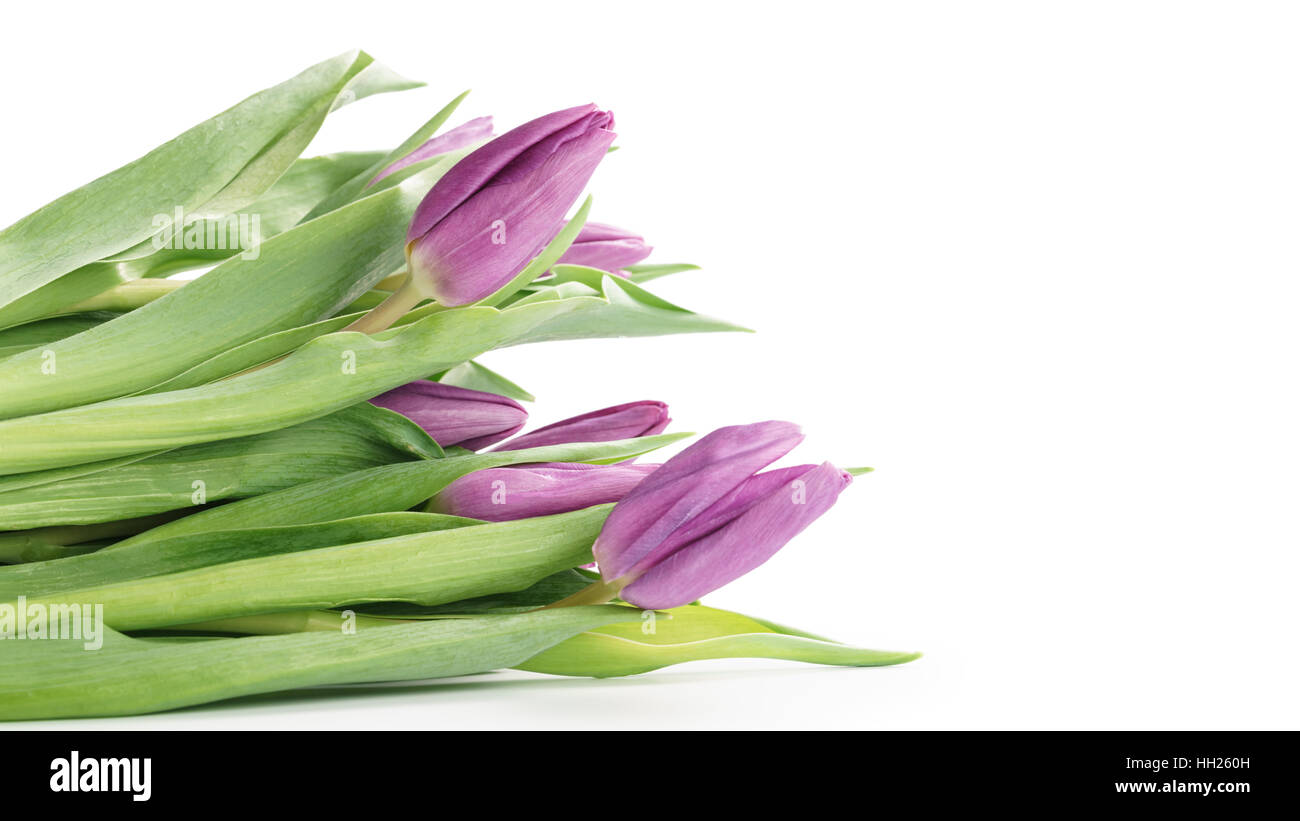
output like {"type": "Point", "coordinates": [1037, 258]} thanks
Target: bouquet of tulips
{"type": "Point", "coordinates": [291, 470]}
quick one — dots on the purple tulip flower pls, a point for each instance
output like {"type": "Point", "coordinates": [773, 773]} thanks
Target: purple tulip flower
{"type": "Point", "coordinates": [707, 517]}
{"type": "Point", "coordinates": [455, 416]}
{"type": "Point", "coordinates": [610, 424]}
{"type": "Point", "coordinates": [607, 248]}
{"type": "Point", "coordinates": [459, 137]}
{"type": "Point", "coordinates": [484, 220]}
{"type": "Point", "coordinates": [507, 493]}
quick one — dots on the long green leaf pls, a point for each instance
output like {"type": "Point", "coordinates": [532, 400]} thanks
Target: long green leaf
{"type": "Point", "coordinates": [298, 277]}
{"type": "Point", "coordinates": [657, 640]}
{"type": "Point", "coordinates": [251, 354]}
{"type": "Point", "coordinates": [383, 489]}
{"type": "Point", "coordinates": [58, 679]}
{"type": "Point", "coordinates": [118, 284]}
{"type": "Point", "coordinates": [378, 614]}
{"type": "Point", "coordinates": [189, 552]}
{"type": "Point", "coordinates": [25, 337]}
{"type": "Point", "coordinates": [357, 185]}
{"type": "Point", "coordinates": [357, 437]}
{"type": "Point", "coordinates": [546, 591]}
{"type": "Point", "coordinates": [624, 309]}
{"type": "Point", "coordinates": [48, 543]}
{"type": "Point", "coordinates": [693, 633]}
{"type": "Point", "coordinates": [629, 311]}
{"type": "Point", "coordinates": [646, 272]}
{"type": "Point", "coordinates": [241, 152]}
{"type": "Point", "coordinates": [424, 568]}
{"type": "Point", "coordinates": [53, 297]}
{"type": "Point", "coordinates": [326, 374]}
{"type": "Point", "coordinates": [478, 377]}
{"type": "Point", "coordinates": [306, 183]}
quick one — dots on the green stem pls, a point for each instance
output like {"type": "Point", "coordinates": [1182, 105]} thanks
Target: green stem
{"type": "Point", "coordinates": [598, 593]}
{"type": "Point", "coordinates": [383, 315]}
{"type": "Point", "coordinates": [23, 551]}
{"type": "Point", "coordinates": [391, 283]}
{"type": "Point", "coordinates": [44, 543]}
{"type": "Point", "coordinates": [127, 296]}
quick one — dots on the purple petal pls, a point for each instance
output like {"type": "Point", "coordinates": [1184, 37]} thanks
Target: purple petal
{"type": "Point", "coordinates": [475, 171]}
{"type": "Point", "coordinates": [508, 493]}
{"type": "Point", "coordinates": [731, 506]}
{"type": "Point", "coordinates": [459, 137]}
{"type": "Point", "coordinates": [489, 238]}
{"type": "Point", "coordinates": [606, 247]}
{"type": "Point", "coordinates": [455, 416]}
{"type": "Point", "coordinates": [626, 421]}
{"type": "Point", "coordinates": [686, 486]}
{"type": "Point", "coordinates": [741, 545]}
{"type": "Point", "coordinates": [603, 232]}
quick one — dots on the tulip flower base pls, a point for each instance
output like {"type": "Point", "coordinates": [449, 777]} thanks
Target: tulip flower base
{"type": "Point", "coordinates": [290, 468]}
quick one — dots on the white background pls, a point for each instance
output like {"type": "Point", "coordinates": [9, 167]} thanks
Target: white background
{"type": "Point", "coordinates": [1035, 262]}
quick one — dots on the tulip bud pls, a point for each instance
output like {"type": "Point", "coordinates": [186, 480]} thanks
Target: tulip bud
{"type": "Point", "coordinates": [485, 218]}
{"type": "Point", "coordinates": [619, 422]}
{"type": "Point", "coordinates": [455, 416]}
{"type": "Point", "coordinates": [503, 494]}
{"type": "Point", "coordinates": [706, 517]}
{"type": "Point", "coordinates": [461, 136]}
{"type": "Point", "coordinates": [607, 248]}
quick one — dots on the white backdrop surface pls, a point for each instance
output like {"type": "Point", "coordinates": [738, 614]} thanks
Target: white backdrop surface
{"type": "Point", "coordinates": [1036, 263]}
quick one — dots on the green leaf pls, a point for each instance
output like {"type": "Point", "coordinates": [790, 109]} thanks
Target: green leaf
{"type": "Point", "coordinates": [438, 165]}
{"type": "Point", "coordinates": [378, 614]}
{"type": "Point", "coordinates": [278, 210]}
{"type": "Point", "coordinates": [647, 272]}
{"type": "Point", "coordinates": [251, 354]}
{"type": "Point", "coordinates": [283, 206]}
{"type": "Point", "coordinates": [50, 299]}
{"type": "Point", "coordinates": [32, 546]}
{"type": "Point", "coordinates": [357, 185]}
{"type": "Point", "coordinates": [693, 633]}
{"type": "Point", "coordinates": [357, 437]}
{"type": "Point", "coordinates": [424, 568]}
{"type": "Point", "coordinates": [25, 337]}
{"type": "Point", "coordinates": [547, 591]}
{"type": "Point", "coordinates": [60, 541]}
{"type": "Point", "coordinates": [125, 296]}
{"type": "Point", "coordinates": [58, 679]}
{"type": "Point", "coordinates": [193, 551]}
{"type": "Point", "coordinates": [215, 168]}
{"type": "Point", "coordinates": [478, 377]}
{"type": "Point", "coordinates": [626, 309]}
{"type": "Point", "coordinates": [326, 374]}
{"type": "Point", "coordinates": [19, 481]}
{"type": "Point", "coordinates": [298, 278]}
{"type": "Point", "coordinates": [647, 317]}
{"type": "Point", "coordinates": [386, 488]}
{"type": "Point", "coordinates": [367, 301]}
